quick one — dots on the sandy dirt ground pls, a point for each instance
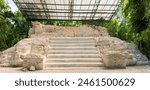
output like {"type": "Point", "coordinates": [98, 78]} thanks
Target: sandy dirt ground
{"type": "Point", "coordinates": [129, 69]}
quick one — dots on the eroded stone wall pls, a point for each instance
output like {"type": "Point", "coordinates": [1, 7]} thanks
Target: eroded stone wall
{"type": "Point", "coordinates": [16, 55]}
{"type": "Point", "coordinates": [31, 52]}
{"type": "Point", "coordinates": [109, 44]}
{"type": "Point", "coordinates": [45, 31]}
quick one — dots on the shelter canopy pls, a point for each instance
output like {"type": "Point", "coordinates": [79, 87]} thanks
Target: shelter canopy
{"type": "Point", "coordinates": [68, 9]}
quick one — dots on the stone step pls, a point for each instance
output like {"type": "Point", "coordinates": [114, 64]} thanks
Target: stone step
{"type": "Point", "coordinates": [71, 44]}
{"type": "Point", "coordinates": [73, 52]}
{"type": "Point", "coordinates": [73, 68]}
{"type": "Point", "coordinates": [72, 48]}
{"type": "Point", "coordinates": [76, 50]}
{"type": "Point", "coordinates": [72, 38]}
{"type": "Point", "coordinates": [71, 41]}
{"type": "Point", "coordinates": [73, 56]}
{"type": "Point", "coordinates": [74, 60]}
{"type": "Point", "coordinates": [74, 64]}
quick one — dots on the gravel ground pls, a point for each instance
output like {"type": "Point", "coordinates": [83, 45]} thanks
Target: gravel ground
{"type": "Point", "coordinates": [133, 69]}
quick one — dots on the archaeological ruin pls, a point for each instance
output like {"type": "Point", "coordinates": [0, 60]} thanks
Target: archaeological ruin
{"type": "Point", "coordinates": [50, 47]}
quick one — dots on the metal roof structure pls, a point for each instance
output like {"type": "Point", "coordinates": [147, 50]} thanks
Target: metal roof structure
{"type": "Point", "coordinates": [68, 9]}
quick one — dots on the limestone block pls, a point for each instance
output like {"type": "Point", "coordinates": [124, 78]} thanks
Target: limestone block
{"type": "Point", "coordinates": [48, 28]}
{"type": "Point", "coordinates": [84, 31]}
{"type": "Point", "coordinates": [7, 56]}
{"type": "Point", "coordinates": [32, 68]}
{"type": "Point", "coordinates": [31, 32]}
{"type": "Point", "coordinates": [21, 48]}
{"type": "Point", "coordinates": [136, 54]}
{"type": "Point", "coordinates": [27, 46]}
{"type": "Point", "coordinates": [58, 31]}
{"type": "Point", "coordinates": [102, 31]}
{"type": "Point", "coordinates": [16, 61]}
{"type": "Point", "coordinates": [37, 28]}
{"type": "Point", "coordinates": [131, 61]}
{"type": "Point", "coordinates": [39, 48]}
{"type": "Point", "coordinates": [114, 59]}
{"type": "Point", "coordinates": [11, 56]}
{"type": "Point", "coordinates": [135, 57]}
{"type": "Point", "coordinates": [32, 45]}
{"type": "Point", "coordinates": [35, 60]}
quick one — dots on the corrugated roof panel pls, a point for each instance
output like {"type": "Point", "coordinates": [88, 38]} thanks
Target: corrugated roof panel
{"type": "Point", "coordinates": [68, 9]}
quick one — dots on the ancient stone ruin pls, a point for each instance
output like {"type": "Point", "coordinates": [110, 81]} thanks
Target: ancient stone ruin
{"type": "Point", "coordinates": [85, 46]}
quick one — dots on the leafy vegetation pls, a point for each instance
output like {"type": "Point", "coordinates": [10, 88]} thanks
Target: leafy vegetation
{"type": "Point", "coordinates": [13, 26]}
{"type": "Point", "coordinates": [134, 26]}
{"type": "Point", "coordinates": [61, 23]}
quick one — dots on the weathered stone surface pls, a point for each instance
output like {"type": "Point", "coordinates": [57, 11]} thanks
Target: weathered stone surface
{"type": "Point", "coordinates": [11, 56]}
{"type": "Point", "coordinates": [36, 29]}
{"type": "Point", "coordinates": [24, 69]}
{"type": "Point", "coordinates": [131, 61]}
{"type": "Point", "coordinates": [90, 30]}
{"type": "Point", "coordinates": [135, 57]}
{"type": "Point", "coordinates": [136, 54]}
{"type": "Point", "coordinates": [35, 60]}
{"type": "Point", "coordinates": [32, 68]}
{"type": "Point", "coordinates": [84, 31]}
{"type": "Point", "coordinates": [39, 30]}
{"type": "Point", "coordinates": [102, 31]}
{"type": "Point", "coordinates": [7, 56]}
{"type": "Point", "coordinates": [31, 32]}
{"type": "Point", "coordinates": [114, 59]}
{"type": "Point", "coordinates": [40, 35]}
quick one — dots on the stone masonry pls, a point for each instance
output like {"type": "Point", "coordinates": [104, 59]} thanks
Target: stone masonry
{"type": "Point", "coordinates": [32, 53]}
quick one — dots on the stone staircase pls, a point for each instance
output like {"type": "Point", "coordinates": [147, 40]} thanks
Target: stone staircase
{"type": "Point", "coordinates": [72, 52]}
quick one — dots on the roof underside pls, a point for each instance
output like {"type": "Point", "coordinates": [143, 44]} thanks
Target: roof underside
{"type": "Point", "coordinates": [68, 9]}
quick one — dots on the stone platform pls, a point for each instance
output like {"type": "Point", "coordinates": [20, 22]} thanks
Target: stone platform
{"type": "Point", "coordinates": [53, 47]}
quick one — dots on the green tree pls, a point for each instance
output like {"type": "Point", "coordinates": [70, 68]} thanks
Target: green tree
{"type": "Point", "coordinates": [134, 12]}
{"type": "Point", "coordinates": [5, 25]}
{"type": "Point", "coordinates": [135, 26]}
{"type": "Point", "coordinates": [13, 26]}
{"type": "Point", "coordinates": [20, 27]}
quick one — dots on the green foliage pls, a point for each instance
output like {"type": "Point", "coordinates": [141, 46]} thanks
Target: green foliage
{"type": "Point", "coordinates": [4, 32]}
{"type": "Point", "coordinates": [113, 27]}
{"type": "Point", "coordinates": [67, 23]}
{"type": "Point", "coordinates": [97, 22]}
{"type": "Point", "coordinates": [134, 12]}
{"type": "Point", "coordinates": [19, 28]}
{"type": "Point", "coordinates": [74, 23]}
{"type": "Point", "coordinates": [137, 15]}
{"type": "Point", "coordinates": [135, 26]}
{"type": "Point", "coordinates": [47, 22]}
{"type": "Point", "coordinates": [13, 26]}
{"type": "Point", "coordinates": [61, 23]}
{"type": "Point", "coordinates": [3, 6]}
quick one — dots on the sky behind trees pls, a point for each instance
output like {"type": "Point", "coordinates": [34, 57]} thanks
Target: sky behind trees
{"type": "Point", "coordinates": [12, 5]}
